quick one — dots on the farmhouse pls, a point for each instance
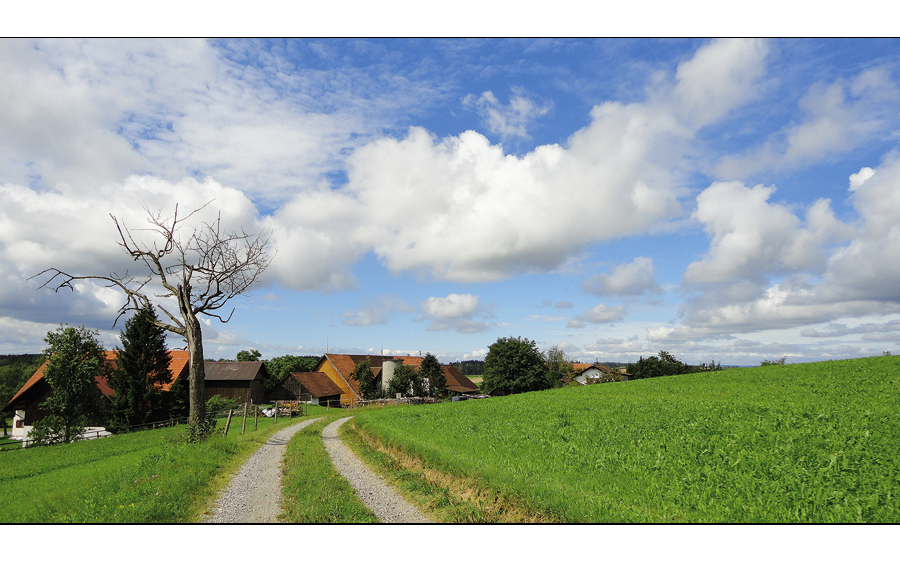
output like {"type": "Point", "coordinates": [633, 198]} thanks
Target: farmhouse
{"type": "Point", "coordinates": [585, 372]}
{"type": "Point", "coordinates": [339, 367]}
{"type": "Point", "coordinates": [25, 404]}
{"type": "Point", "coordinates": [315, 387]}
{"type": "Point", "coordinates": [241, 381]}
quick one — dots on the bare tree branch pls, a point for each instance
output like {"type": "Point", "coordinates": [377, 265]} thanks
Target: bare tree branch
{"type": "Point", "coordinates": [201, 272]}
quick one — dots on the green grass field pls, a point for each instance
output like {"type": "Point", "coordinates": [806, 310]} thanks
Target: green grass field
{"type": "Point", "coordinates": [796, 443]}
{"type": "Point", "coordinates": [144, 477]}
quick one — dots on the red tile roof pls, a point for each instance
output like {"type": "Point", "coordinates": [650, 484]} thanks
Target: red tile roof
{"type": "Point", "coordinates": [178, 365]}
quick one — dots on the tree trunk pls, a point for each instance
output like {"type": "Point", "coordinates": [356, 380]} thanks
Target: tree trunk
{"type": "Point", "coordinates": [197, 392]}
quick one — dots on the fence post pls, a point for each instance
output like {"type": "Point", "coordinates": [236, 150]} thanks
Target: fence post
{"type": "Point", "coordinates": [255, 417]}
{"type": "Point", "coordinates": [244, 423]}
{"type": "Point", "coordinates": [228, 422]}
{"type": "Point", "coordinates": [276, 412]}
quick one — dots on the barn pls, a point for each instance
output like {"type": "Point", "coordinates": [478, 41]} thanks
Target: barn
{"type": "Point", "coordinates": [315, 387]}
{"type": "Point", "coordinates": [242, 381]}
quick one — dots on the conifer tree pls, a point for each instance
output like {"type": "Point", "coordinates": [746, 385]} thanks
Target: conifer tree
{"type": "Point", "coordinates": [143, 366]}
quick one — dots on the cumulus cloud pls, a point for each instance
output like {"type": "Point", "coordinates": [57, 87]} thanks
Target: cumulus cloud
{"type": "Point", "coordinates": [456, 311]}
{"type": "Point", "coordinates": [719, 77]}
{"type": "Point", "coordinates": [851, 266]}
{"type": "Point", "coordinates": [455, 209]}
{"type": "Point", "coordinates": [460, 209]}
{"type": "Point", "coordinates": [378, 312]}
{"type": "Point", "coordinates": [507, 121]}
{"type": "Point", "coordinates": [599, 314]}
{"type": "Point", "coordinates": [635, 278]}
{"type": "Point", "coordinates": [752, 237]}
{"type": "Point", "coordinates": [837, 117]}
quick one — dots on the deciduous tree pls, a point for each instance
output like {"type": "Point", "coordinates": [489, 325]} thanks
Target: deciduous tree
{"type": "Point", "coordinates": [559, 367]}
{"type": "Point", "coordinates": [405, 381]}
{"type": "Point", "coordinates": [514, 365]}
{"type": "Point", "coordinates": [278, 368]}
{"type": "Point", "coordinates": [431, 372]}
{"type": "Point", "coordinates": [75, 358]}
{"type": "Point", "coordinates": [199, 269]}
{"type": "Point", "coordinates": [362, 372]}
{"type": "Point", "coordinates": [251, 356]}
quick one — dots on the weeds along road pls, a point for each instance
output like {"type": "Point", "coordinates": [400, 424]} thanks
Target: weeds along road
{"type": "Point", "coordinates": [372, 490]}
{"type": "Point", "coordinates": [254, 494]}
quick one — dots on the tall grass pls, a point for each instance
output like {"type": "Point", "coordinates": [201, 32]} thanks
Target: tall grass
{"type": "Point", "coordinates": [796, 443]}
{"type": "Point", "coordinates": [152, 476]}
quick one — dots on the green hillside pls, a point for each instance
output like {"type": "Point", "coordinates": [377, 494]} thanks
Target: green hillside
{"type": "Point", "coordinates": [786, 443]}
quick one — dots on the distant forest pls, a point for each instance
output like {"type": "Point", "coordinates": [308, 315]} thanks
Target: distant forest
{"type": "Point", "coordinates": [9, 359]}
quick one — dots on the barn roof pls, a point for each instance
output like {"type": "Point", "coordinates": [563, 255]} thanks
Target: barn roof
{"type": "Point", "coordinates": [458, 382]}
{"type": "Point", "coordinates": [234, 371]}
{"type": "Point", "coordinates": [178, 365]}
{"type": "Point", "coordinates": [318, 384]}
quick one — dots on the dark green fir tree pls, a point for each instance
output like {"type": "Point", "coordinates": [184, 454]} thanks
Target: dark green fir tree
{"type": "Point", "coordinates": [142, 368]}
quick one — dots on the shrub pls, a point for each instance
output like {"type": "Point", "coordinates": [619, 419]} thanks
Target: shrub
{"type": "Point", "coordinates": [217, 403]}
{"type": "Point", "coordinates": [52, 430]}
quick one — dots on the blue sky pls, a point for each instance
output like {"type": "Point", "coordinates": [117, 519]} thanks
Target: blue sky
{"type": "Point", "coordinates": [729, 200]}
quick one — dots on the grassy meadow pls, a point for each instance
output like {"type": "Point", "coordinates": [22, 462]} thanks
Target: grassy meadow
{"type": "Point", "coordinates": [153, 476]}
{"type": "Point", "coordinates": [813, 442]}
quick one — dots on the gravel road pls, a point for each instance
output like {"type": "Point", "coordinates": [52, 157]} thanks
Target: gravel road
{"type": "Point", "coordinates": [374, 492]}
{"type": "Point", "coordinates": [254, 494]}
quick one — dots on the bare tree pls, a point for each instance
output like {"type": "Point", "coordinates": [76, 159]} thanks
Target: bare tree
{"type": "Point", "coordinates": [199, 274]}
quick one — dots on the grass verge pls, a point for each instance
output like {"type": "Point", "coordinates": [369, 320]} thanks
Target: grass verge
{"type": "Point", "coordinates": [444, 496]}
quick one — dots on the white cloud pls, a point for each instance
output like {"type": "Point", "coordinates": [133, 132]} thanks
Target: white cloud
{"type": "Point", "coordinates": [838, 118]}
{"type": "Point", "coordinates": [721, 76]}
{"type": "Point", "coordinates": [377, 313]}
{"type": "Point", "coordinates": [456, 311]}
{"type": "Point", "coordinates": [752, 237]}
{"type": "Point", "coordinates": [79, 113]}
{"type": "Point", "coordinates": [635, 278]}
{"type": "Point", "coordinates": [20, 336]}
{"type": "Point", "coordinates": [854, 265]}
{"type": "Point", "coordinates": [599, 314]}
{"type": "Point", "coordinates": [454, 209]}
{"type": "Point", "coordinates": [509, 121]}
{"type": "Point", "coordinates": [877, 331]}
